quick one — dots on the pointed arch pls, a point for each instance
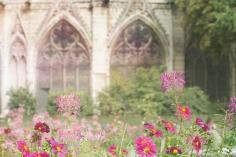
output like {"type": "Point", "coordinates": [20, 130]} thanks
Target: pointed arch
{"type": "Point", "coordinates": [56, 19]}
{"type": "Point", "coordinates": [18, 55]}
{"type": "Point", "coordinates": [137, 43]}
{"type": "Point", "coordinates": [63, 54]}
{"type": "Point", "coordinates": [156, 27]}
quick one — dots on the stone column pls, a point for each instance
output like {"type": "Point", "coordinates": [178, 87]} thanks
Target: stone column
{"type": "Point", "coordinates": [178, 41]}
{"type": "Point", "coordinates": [6, 84]}
{"type": "Point", "coordinates": [1, 53]}
{"type": "Point", "coordinates": [99, 63]}
{"type": "Point", "coordinates": [31, 67]}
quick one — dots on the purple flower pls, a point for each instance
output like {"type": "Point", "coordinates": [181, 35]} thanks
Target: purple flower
{"type": "Point", "coordinates": [232, 105]}
{"type": "Point", "coordinates": [172, 81]}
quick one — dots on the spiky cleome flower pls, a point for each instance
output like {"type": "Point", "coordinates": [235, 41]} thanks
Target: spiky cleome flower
{"type": "Point", "coordinates": [145, 147]}
{"type": "Point", "coordinates": [172, 81]}
{"type": "Point", "coordinates": [69, 104]}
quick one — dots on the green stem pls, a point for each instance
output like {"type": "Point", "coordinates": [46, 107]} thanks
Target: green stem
{"type": "Point", "coordinates": [226, 116]}
{"type": "Point", "coordinates": [122, 140]}
{"type": "Point", "coordinates": [207, 150]}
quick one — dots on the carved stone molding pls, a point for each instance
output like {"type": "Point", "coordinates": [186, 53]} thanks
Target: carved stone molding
{"type": "Point", "coordinates": [68, 7]}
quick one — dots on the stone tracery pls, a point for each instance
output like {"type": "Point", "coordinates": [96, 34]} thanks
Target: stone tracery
{"type": "Point", "coordinates": [18, 56]}
{"type": "Point", "coordinates": [63, 57]}
{"type": "Point", "coordinates": [136, 46]}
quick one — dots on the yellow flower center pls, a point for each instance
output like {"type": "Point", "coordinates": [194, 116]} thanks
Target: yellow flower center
{"type": "Point", "coordinates": [184, 109]}
{"type": "Point", "coordinates": [197, 143]}
{"type": "Point", "coordinates": [39, 155]}
{"type": "Point", "coordinates": [26, 148]}
{"type": "Point", "coordinates": [146, 149]}
{"type": "Point", "coordinates": [175, 151]}
{"type": "Point", "coordinates": [58, 148]}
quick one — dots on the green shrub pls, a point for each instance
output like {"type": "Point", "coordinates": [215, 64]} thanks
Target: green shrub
{"type": "Point", "coordinates": [86, 101]}
{"type": "Point", "coordinates": [140, 93]}
{"type": "Point", "coordinates": [196, 99]}
{"type": "Point", "coordinates": [22, 97]}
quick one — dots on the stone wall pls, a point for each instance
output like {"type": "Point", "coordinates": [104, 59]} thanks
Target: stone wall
{"type": "Point", "coordinates": [98, 24]}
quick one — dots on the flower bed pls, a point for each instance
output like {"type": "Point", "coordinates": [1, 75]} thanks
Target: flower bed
{"type": "Point", "coordinates": [66, 135]}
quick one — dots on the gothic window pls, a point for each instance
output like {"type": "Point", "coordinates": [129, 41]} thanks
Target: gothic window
{"type": "Point", "coordinates": [18, 63]}
{"type": "Point", "coordinates": [136, 46]}
{"type": "Point", "coordinates": [63, 60]}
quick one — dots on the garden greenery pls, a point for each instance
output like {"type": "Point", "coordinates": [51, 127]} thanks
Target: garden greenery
{"type": "Point", "coordinates": [141, 94]}
{"type": "Point", "coordinates": [22, 97]}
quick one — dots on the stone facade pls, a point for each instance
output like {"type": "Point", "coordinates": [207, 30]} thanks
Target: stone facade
{"type": "Point", "coordinates": [39, 35]}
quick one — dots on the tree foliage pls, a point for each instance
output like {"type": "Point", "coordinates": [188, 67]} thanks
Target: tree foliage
{"type": "Point", "coordinates": [209, 24]}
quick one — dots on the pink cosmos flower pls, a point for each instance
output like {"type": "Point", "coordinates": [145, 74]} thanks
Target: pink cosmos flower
{"type": "Point", "coordinates": [202, 124]}
{"type": "Point", "coordinates": [42, 127]}
{"type": "Point", "coordinates": [173, 150]}
{"type": "Point", "coordinates": [152, 131]}
{"type": "Point", "coordinates": [172, 81]}
{"type": "Point", "coordinates": [169, 126]}
{"type": "Point", "coordinates": [197, 144]}
{"type": "Point", "coordinates": [39, 154]}
{"type": "Point", "coordinates": [23, 148]}
{"type": "Point", "coordinates": [184, 112]}
{"type": "Point", "coordinates": [149, 126]}
{"type": "Point", "coordinates": [232, 105]}
{"type": "Point", "coordinates": [145, 147]}
{"type": "Point", "coordinates": [112, 150]}
{"type": "Point", "coordinates": [125, 152]}
{"type": "Point", "coordinates": [57, 148]}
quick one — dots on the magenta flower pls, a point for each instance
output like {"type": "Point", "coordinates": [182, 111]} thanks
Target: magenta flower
{"type": "Point", "coordinates": [173, 150]}
{"type": "Point", "coordinates": [57, 148]}
{"type": "Point", "coordinates": [169, 126]}
{"type": "Point", "coordinates": [39, 154]}
{"type": "Point", "coordinates": [125, 152]}
{"type": "Point", "coordinates": [149, 126]}
{"type": "Point", "coordinates": [42, 127]}
{"type": "Point", "coordinates": [112, 150]}
{"type": "Point", "coordinates": [172, 81]}
{"type": "Point", "coordinates": [184, 112]}
{"type": "Point", "coordinates": [197, 144]}
{"type": "Point", "coordinates": [23, 148]}
{"type": "Point", "coordinates": [202, 124]}
{"type": "Point", "coordinates": [232, 105]}
{"type": "Point", "coordinates": [69, 104]}
{"type": "Point", "coordinates": [145, 147]}
{"type": "Point", "coordinates": [152, 131]}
